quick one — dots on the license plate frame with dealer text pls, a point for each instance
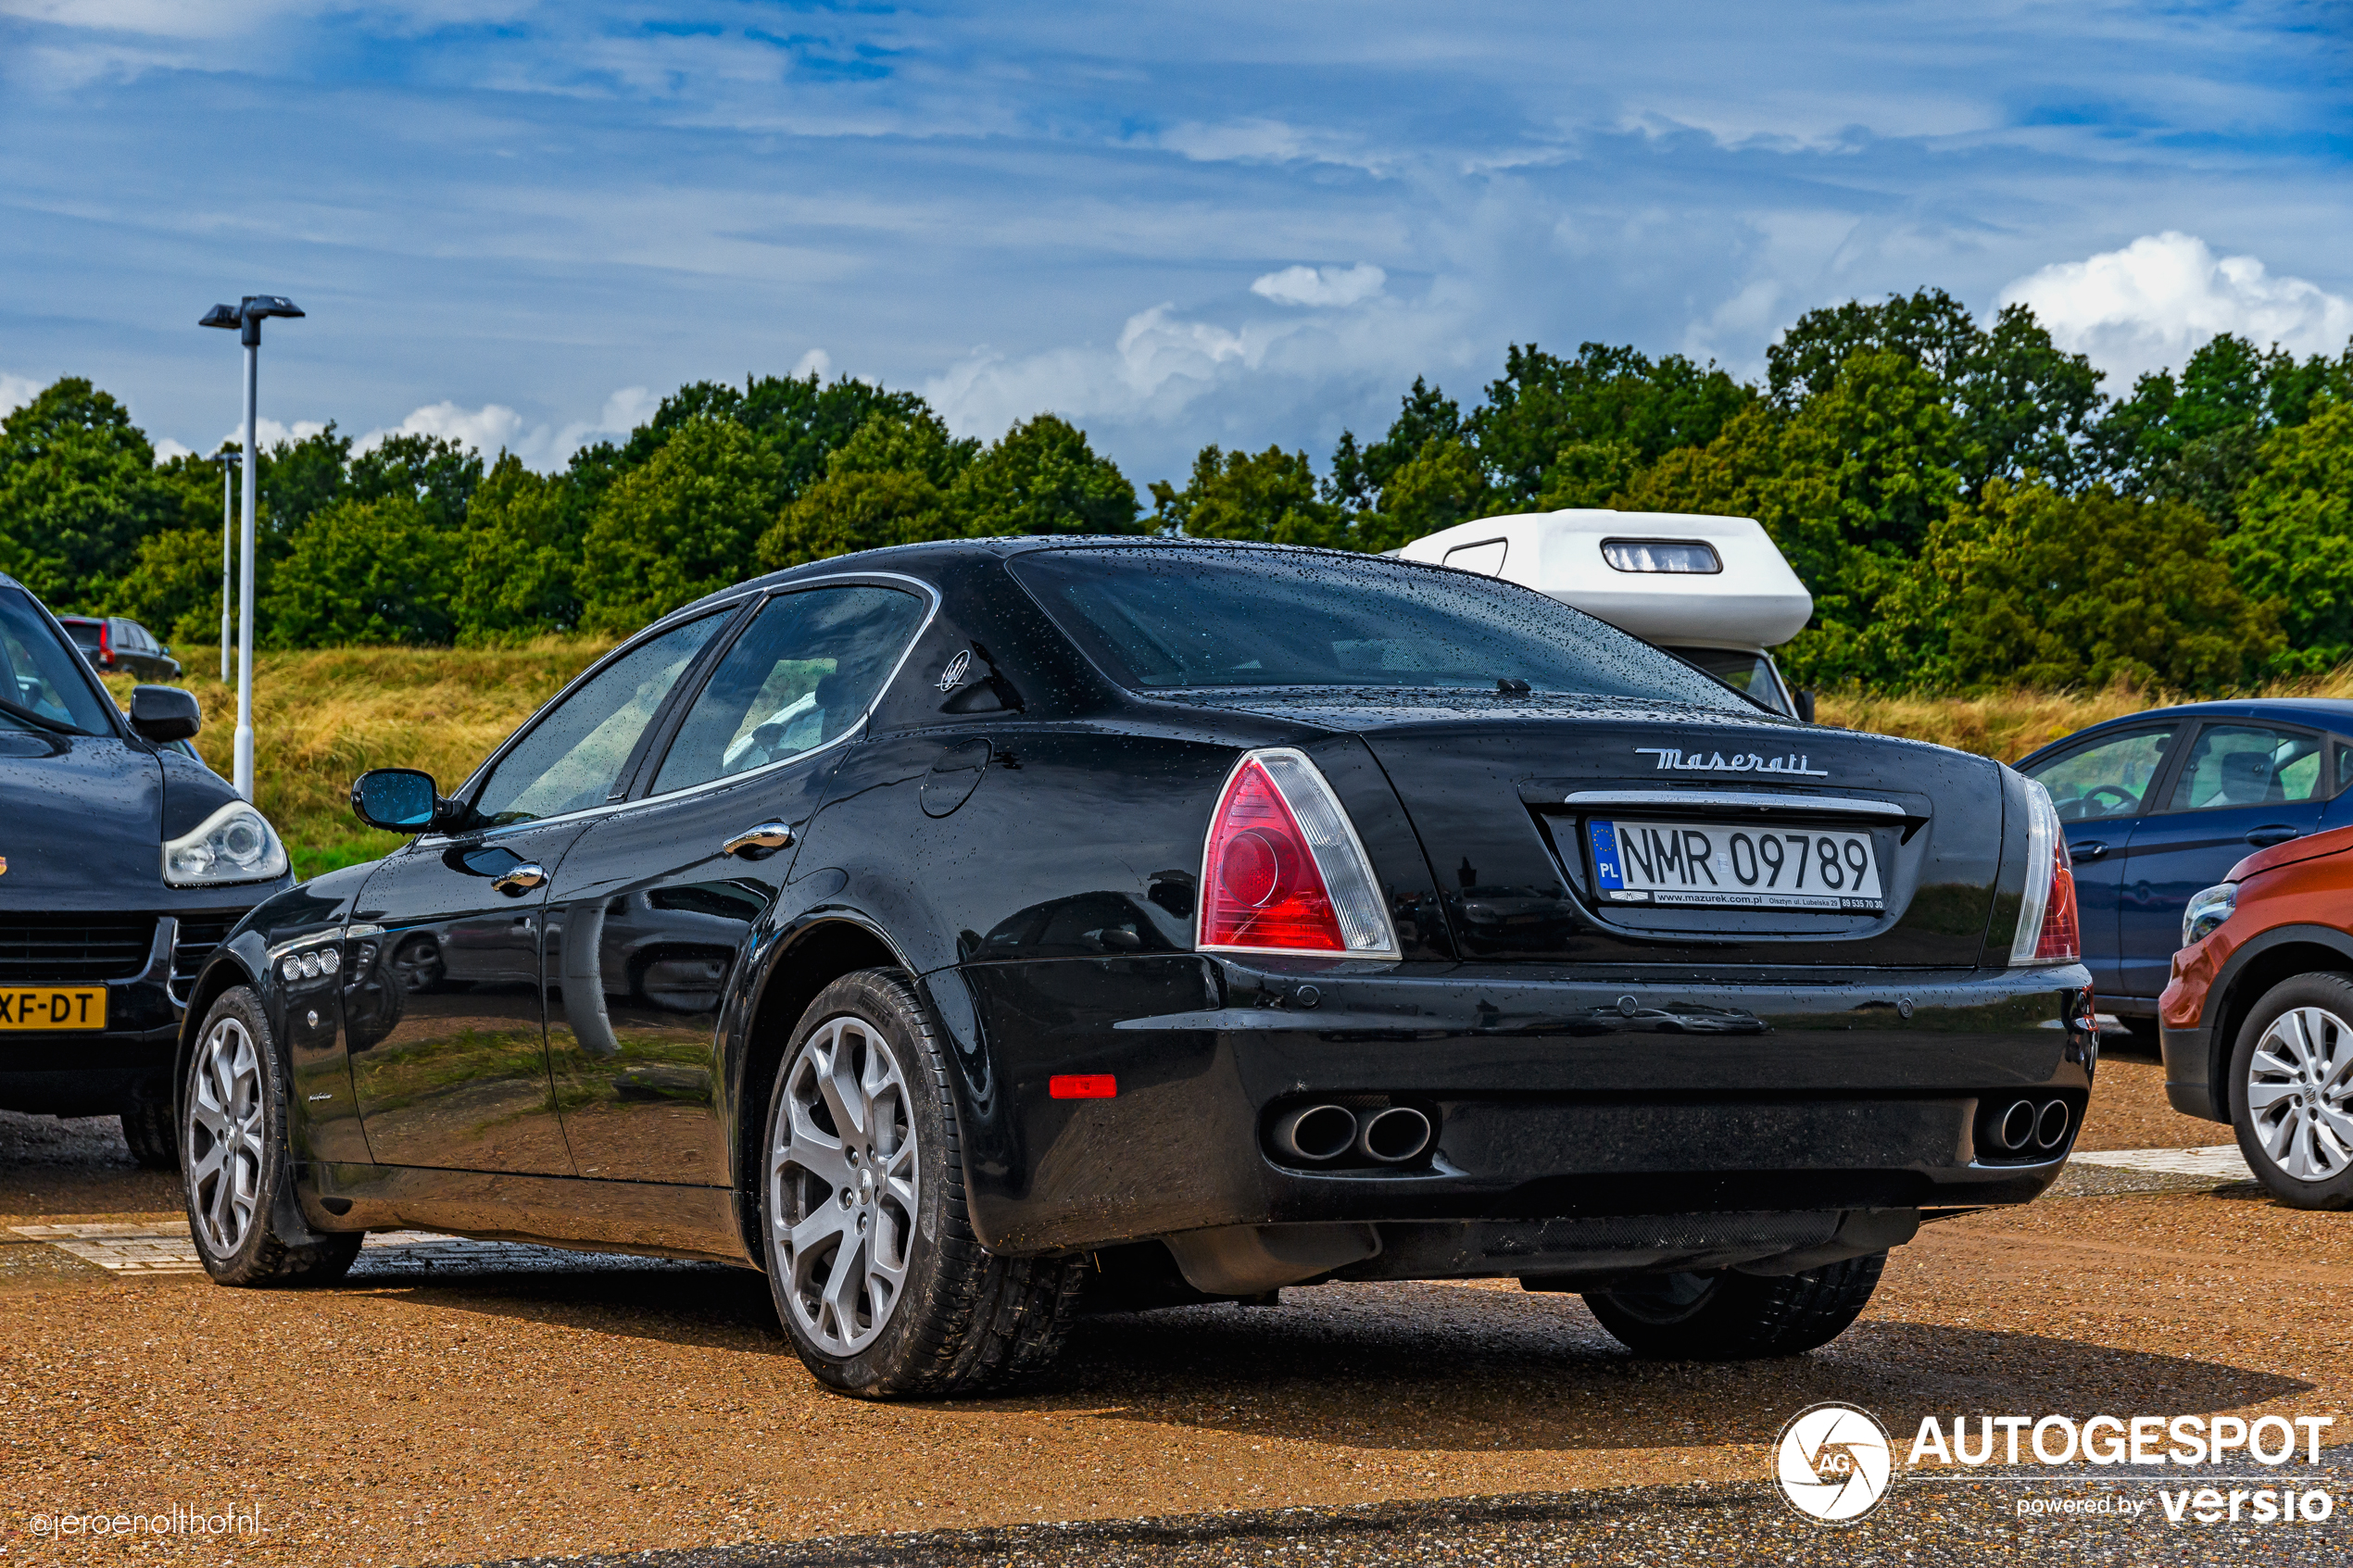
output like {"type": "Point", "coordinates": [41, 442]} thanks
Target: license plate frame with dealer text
{"type": "Point", "coordinates": [1715, 865]}
{"type": "Point", "coordinates": [53, 1007]}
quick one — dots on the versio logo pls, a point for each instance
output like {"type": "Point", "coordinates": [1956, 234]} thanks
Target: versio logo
{"type": "Point", "coordinates": [1832, 1461]}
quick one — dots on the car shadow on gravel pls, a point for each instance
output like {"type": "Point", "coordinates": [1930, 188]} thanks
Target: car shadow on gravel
{"type": "Point", "coordinates": [707, 1305]}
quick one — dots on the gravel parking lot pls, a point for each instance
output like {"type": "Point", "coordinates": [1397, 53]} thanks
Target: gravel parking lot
{"type": "Point", "coordinates": [469, 1403]}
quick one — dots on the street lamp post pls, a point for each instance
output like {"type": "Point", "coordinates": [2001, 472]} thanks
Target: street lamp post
{"type": "Point", "coordinates": [228, 529]}
{"type": "Point", "coordinates": [247, 317]}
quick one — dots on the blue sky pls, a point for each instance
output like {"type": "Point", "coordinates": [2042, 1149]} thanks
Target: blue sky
{"type": "Point", "coordinates": [523, 223]}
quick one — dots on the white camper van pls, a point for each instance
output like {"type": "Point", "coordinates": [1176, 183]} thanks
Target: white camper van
{"type": "Point", "coordinates": [1714, 590]}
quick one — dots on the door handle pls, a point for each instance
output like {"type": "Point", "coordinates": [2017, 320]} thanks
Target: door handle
{"type": "Point", "coordinates": [2271, 833]}
{"type": "Point", "coordinates": [2090, 849]}
{"type": "Point", "coordinates": [758, 842]}
{"type": "Point", "coordinates": [516, 880]}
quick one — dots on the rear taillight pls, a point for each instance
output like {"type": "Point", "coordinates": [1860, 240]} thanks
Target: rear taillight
{"type": "Point", "coordinates": [2047, 930]}
{"type": "Point", "coordinates": [105, 644]}
{"type": "Point", "coordinates": [1283, 871]}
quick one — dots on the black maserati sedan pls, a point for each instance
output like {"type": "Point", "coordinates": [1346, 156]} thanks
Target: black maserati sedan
{"type": "Point", "coordinates": [124, 861]}
{"type": "Point", "coordinates": [971, 934]}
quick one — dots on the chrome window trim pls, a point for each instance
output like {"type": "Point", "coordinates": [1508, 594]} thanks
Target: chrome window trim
{"type": "Point", "coordinates": [1833, 805]}
{"type": "Point", "coordinates": [613, 808]}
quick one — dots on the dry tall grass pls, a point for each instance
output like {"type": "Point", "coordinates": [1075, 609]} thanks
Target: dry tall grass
{"type": "Point", "coordinates": [2009, 724]}
{"type": "Point", "coordinates": [323, 717]}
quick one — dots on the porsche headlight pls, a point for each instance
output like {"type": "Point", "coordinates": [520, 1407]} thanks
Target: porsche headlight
{"type": "Point", "coordinates": [235, 844]}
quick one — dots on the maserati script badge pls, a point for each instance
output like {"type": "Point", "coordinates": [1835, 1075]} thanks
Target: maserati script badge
{"type": "Point", "coordinates": [953, 676]}
{"type": "Point", "coordinates": [1738, 763]}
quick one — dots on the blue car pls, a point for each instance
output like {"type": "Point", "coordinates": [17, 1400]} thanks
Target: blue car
{"type": "Point", "coordinates": [2162, 804]}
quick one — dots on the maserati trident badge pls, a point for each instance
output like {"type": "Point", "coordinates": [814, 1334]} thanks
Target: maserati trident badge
{"type": "Point", "coordinates": [953, 676]}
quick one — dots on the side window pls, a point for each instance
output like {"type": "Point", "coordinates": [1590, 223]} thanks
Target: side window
{"type": "Point", "coordinates": [802, 674]}
{"type": "Point", "coordinates": [2344, 767]}
{"type": "Point", "coordinates": [2249, 765]}
{"type": "Point", "coordinates": [2109, 779]}
{"type": "Point", "coordinates": [573, 756]}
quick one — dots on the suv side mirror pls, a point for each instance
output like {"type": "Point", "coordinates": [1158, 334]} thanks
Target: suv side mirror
{"type": "Point", "coordinates": [396, 799]}
{"type": "Point", "coordinates": [164, 713]}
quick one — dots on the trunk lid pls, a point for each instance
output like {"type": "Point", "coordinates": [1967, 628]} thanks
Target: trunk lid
{"type": "Point", "coordinates": [1504, 793]}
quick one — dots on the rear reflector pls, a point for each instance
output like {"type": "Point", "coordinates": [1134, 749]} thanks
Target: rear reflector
{"type": "Point", "coordinates": [1083, 1086]}
{"type": "Point", "coordinates": [1282, 871]}
{"type": "Point", "coordinates": [2048, 931]}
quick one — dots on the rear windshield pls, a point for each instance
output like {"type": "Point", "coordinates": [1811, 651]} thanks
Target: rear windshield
{"type": "Point", "coordinates": [40, 676]}
{"type": "Point", "coordinates": [1193, 617]}
{"type": "Point", "coordinates": [84, 633]}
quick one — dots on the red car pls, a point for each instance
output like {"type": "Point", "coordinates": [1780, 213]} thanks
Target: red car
{"type": "Point", "coordinates": [2258, 1019]}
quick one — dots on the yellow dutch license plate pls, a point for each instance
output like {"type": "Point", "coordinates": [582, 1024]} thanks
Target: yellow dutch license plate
{"type": "Point", "coordinates": [53, 1007]}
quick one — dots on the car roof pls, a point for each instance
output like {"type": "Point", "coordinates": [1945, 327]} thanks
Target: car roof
{"type": "Point", "coordinates": [2313, 712]}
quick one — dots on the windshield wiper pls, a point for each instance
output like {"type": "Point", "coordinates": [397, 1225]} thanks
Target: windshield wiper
{"type": "Point", "coordinates": [40, 720]}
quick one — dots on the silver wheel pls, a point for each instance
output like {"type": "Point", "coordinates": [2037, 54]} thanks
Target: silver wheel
{"type": "Point", "coordinates": [843, 1185]}
{"type": "Point", "coordinates": [2298, 1083]}
{"type": "Point", "coordinates": [223, 1135]}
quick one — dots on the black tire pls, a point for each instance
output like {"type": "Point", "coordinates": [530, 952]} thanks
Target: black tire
{"type": "Point", "coordinates": [2326, 1181]}
{"type": "Point", "coordinates": [962, 1319]}
{"type": "Point", "coordinates": [1736, 1317]}
{"type": "Point", "coordinates": [235, 1169]}
{"type": "Point", "coordinates": [147, 1128]}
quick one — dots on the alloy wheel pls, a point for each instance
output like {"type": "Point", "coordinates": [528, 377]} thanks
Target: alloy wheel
{"type": "Point", "coordinates": [843, 1185]}
{"type": "Point", "coordinates": [224, 1135]}
{"type": "Point", "coordinates": [2298, 1085]}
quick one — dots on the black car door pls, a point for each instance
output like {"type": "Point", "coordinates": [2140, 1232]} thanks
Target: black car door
{"type": "Point", "coordinates": [653, 909]}
{"type": "Point", "coordinates": [449, 1051]}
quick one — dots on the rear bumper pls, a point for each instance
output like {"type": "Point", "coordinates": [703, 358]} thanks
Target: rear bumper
{"type": "Point", "coordinates": [1561, 1099]}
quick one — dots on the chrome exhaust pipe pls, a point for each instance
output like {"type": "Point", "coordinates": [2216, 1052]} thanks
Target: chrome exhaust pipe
{"type": "Point", "coordinates": [1316, 1134]}
{"type": "Point", "coordinates": [2050, 1128]}
{"type": "Point", "coordinates": [1394, 1136]}
{"type": "Point", "coordinates": [2015, 1129]}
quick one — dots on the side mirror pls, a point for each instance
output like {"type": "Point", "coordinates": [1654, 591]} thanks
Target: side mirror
{"type": "Point", "coordinates": [398, 800]}
{"type": "Point", "coordinates": [1805, 705]}
{"type": "Point", "coordinates": [164, 713]}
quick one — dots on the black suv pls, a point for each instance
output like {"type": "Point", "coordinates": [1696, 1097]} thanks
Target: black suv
{"type": "Point", "coordinates": [119, 645]}
{"type": "Point", "coordinates": [124, 861]}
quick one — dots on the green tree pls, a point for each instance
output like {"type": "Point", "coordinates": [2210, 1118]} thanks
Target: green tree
{"type": "Point", "coordinates": [2020, 404]}
{"type": "Point", "coordinates": [2198, 436]}
{"type": "Point", "coordinates": [1236, 496]}
{"type": "Point", "coordinates": [682, 526]}
{"type": "Point", "coordinates": [1545, 409]}
{"type": "Point", "coordinates": [524, 534]}
{"type": "Point", "coordinates": [439, 474]}
{"type": "Point", "coordinates": [173, 587]}
{"type": "Point", "coordinates": [78, 493]}
{"type": "Point", "coordinates": [1041, 477]}
{"type": "Point", "coordinates": [1847, 485]}
{"type": "Point", "coordinates": [2294, 539]}
{"type": "Point", "coordinates": [1444, 484]}
{"type": "Point", "coordinates": [365, 572]}
{"type": "Point", "coordinates": [1360, 474]}
{"type": "Point", "coordinates": [2037, 588]}
{"type": "Point", "coordinates": [887, 484]}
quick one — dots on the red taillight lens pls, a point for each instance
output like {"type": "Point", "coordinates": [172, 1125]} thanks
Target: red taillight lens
{"type": "Point", "coordinates": [2061, 938]}
{"type": "Point", "coordinates": [1264, 889]}
{"type": "Point", "coordinates": [105, 644]}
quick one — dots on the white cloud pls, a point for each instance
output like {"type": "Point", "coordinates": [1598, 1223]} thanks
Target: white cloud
{"type": "Point", "coordinates": [816, 362]}
{"type": "Point", "coordinates": [17, 391]}
{"type": "Point", "coordinates": [167, 449]}
{"type": "Point", "coordinates": [2151, 303]}
{"type": "Point", "coordinates": [269, 432]}
{"type": "Point", "coordinates": [494, 428]}
{"type": "Point", "coordinates": [1321, 285]}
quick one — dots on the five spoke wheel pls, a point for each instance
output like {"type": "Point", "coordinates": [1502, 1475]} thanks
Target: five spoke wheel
{"type": "Point", "coordinates": [224, 1136]}
{"type": "Point", "coordinates": [843, 1185]}
{"type": "Point", "coordinates": [2299, 1082]}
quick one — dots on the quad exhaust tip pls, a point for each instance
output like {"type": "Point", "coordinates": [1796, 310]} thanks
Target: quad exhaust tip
{"type": "Point", "coordinates": [1317, 1134]}
{"type": "Point", "coordinates": [1394, 1136]}
{"type": "Point", "coordinates": [2026, 1127]}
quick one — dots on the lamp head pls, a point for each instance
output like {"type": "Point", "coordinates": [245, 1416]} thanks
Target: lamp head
{"type": "Point", "coordinates": [261, 304]}
{"type": "Point", "coordinates": [220, 316]}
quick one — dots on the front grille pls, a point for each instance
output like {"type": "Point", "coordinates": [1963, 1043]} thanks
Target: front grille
{"type": "Point", "coordinates": [74, 947]}
{"type": "Point", "coordinates": [199, 934]}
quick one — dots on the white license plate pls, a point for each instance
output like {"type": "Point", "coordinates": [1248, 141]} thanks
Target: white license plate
{"type": "Point", "coordinates": [1832, 870]}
